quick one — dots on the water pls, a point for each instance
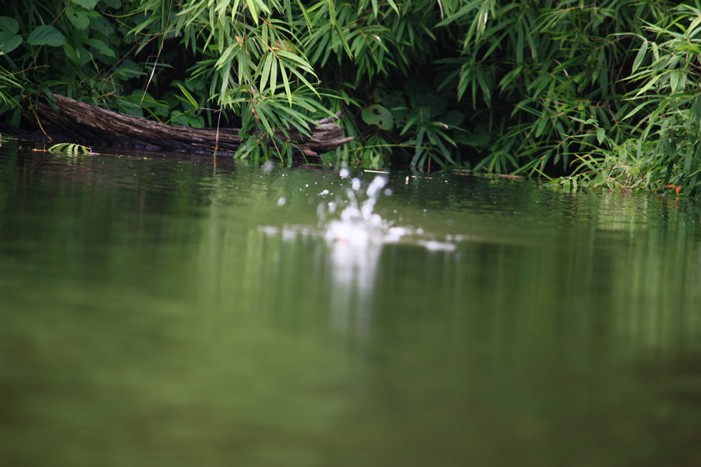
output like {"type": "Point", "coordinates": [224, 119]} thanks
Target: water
{"type": "Point", "coordinates": [163, 312]}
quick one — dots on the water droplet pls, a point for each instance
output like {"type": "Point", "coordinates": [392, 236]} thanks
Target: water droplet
{"type": "Point", "coordinates": [433, 245]}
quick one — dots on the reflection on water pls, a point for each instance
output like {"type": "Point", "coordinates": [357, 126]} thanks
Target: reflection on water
{"type": "Point", "coordinates": [156, 312]}
{"type": "Point", "coordinates": [353, 272]}
{"type": "Point", "coordinates": [355, 237]}
{"type": "Point", "coordinates": [355, 241]}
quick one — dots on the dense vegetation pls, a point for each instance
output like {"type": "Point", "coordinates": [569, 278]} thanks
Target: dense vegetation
{"type": "Point", "coordinates": [604, 93]}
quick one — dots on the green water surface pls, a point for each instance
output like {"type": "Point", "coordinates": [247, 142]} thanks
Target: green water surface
{"type": "Point", "coordinates": [161, 312]}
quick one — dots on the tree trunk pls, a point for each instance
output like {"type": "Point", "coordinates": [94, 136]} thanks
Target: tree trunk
{"type": "Point", "coordinates": [71, 121]}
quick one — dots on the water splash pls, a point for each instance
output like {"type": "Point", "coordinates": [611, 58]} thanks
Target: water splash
{"type": "Point", "coordinates": [358, 224]}
{"type": "Point", "coordinates": [355, 235]}
{"type": "Point", "coordinates": [350, 219]}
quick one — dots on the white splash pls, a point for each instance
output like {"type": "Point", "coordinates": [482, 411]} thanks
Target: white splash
{"type": "Point", "coordinates": [350, 223]}
{"type": "Point", "coordinates": [355, 235]}
{"type": "Point", "coordinates": [359, 224]}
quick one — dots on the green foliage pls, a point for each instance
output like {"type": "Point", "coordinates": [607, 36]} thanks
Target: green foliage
{"type": "Point", "coordinates": [667, 98]}
{"type": "Point", "coordinates": [415, 122]}
{"type": "Point", "coordinates": [603, 93]}
{"type": "Point", "coordinates": [70, 149]}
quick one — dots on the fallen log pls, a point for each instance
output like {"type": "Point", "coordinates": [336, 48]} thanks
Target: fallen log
{"type": "Point", "coordinates": [69, 120]}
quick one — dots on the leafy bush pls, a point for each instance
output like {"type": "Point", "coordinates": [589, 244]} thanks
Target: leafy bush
{"type": "Point", "coordinates": [601, 93]}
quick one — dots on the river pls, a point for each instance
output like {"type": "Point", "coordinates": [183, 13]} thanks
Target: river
{"type": "Point", "coordinates": [161, 311]}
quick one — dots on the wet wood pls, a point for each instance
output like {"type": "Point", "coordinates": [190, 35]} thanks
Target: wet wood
{"type": "Point", "coordinates": [73, 121]}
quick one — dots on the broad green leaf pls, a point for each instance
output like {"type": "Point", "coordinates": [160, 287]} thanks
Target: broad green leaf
{"type": "Point", "coordinates": [87, 4]}
{"type": "Point", "coordinates": [379, 116]}
{"type": "Point", "coordinates": [8, 24]}
{"type": "Point", "coordinates": [71, 53]}
{"type": "Point", "coordinates": [46, 35]}
{"type": "Point", "coordinates": [9, 41]}
{"type": "Point", "coordinates": [128, 107]}
{"type": "Point", "coordinates": [78, 17]}
{"type": "Point", "coordinates": [101, 47]}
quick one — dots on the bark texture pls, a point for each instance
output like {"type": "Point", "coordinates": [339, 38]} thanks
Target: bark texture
{"type": "Point", "coordinates": [73, 121]}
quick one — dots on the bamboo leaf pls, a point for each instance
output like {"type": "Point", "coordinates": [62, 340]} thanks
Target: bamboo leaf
{"type": "Point", "coordinates": [540, 125]}
{"type": "Point", "coordinates": [273, 75]}
{"type": "Point", "coordinates": [691, 30]}
{"type": "Point", "coordinates": [225, 73]}
{"type": "Point", "coordinates": [191, 100]}
{"type": "Point", "coordinates": [696, 109]}
{"type": "Point", "coordinates": [264, 34]}
{"type": "Point", "coordinates": [252, 9]}
{"type": "Point", "coordinates": [648, 85]}
{"type": "Point", "coordinates": [304, 80]}
{"type": "Point", "coordinates": [299, 61]}
{"type": "Point", "coordinates": [674, 78]}
{"type": "Point", "coordinates": [260, 112]}
{"type": "Point", "coordinates": [286, 83]}
{"type": "Point", "coordinates": [640, 56]}
{"type": "Point", "coordinates": [265, 75]}
{"type": "Point", "coordinates": [600, 135]}
{"type": "Point", "coordinates": [225, 58]}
